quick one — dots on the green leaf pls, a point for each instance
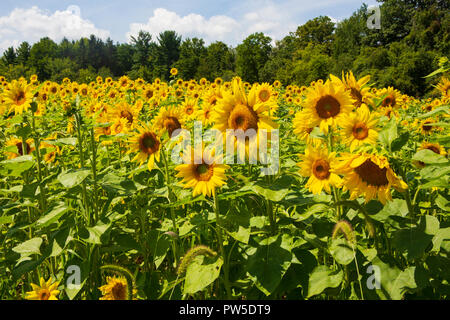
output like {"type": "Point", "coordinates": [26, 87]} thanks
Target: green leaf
{"type": "Point", "coordinates": [28, 247]}
{"type": "Point", "coordinates": [118, 185]}
{"type": "Point", "coordinates": [431, 172]}
{"type": "Point", "coordinates": [237, 223]}
{"type": "Point", "coordinates": [63, 142]}
{"type": "Point", "coordinates": [412, 242]}
{"type": "Point", "coordinates": [6, 220]}
{"type": "Point", "coordinates": [72, 179]}
{"type": "Point", "coordinates": [159, 246]}
{"type": "Point", "coordinates": [98, 234]}
{"type": "Point", "coordinates": [201, 272]}
{"type": "Point", "coordinates": [441, 239]}
{"type": "Point", "coordinates": [267, 266]}
{"type": "Point", "coordinates": [389, 134]}
{"type": "Point", "coordinates": [275, 191]}
{"type": "Point", "coordinates": [15, 167]}
{"type": "Point", "coordinates": [342, 251]}
{"type": "Point", "coordinates": [322, 278]}
{"type": "Point", "coordinates": [52, 215]}
{"type": "Point", "coordinates": [428, 157]}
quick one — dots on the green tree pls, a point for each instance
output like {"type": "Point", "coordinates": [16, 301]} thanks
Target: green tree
{"type": "Point", "coordinates": [252, 55]}
{"type": "Point", "coordinates": [191, 53]}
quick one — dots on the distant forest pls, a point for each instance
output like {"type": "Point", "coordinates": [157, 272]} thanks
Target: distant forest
{"type": "Point", "coordinates": [414, 34]}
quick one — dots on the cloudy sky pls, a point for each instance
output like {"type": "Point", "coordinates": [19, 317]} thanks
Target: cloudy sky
{"type": "Point", "coordinates": [229, 21]}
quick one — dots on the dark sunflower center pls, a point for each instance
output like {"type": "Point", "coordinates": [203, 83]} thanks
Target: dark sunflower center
{"type": "Point", "coordinates": [372, 174]}
{"type": "Point", "coordinates": [203, 172]}
{"type": "Point", "coordinates": [84, 92]}
{"type": "Point", "coordinates": [427, 128]}
{"type": "Point", "coordinates": [20, 98]}
{"type": "Point", "coordinates": [119, 291]}
{"type": "Point", "coordinates": [242, 117]}
{"type": "Point", "coordinates": [44, 294]}
{"type": "Point", "coordinates": [189, 110]}
{"type": "Point", "coordinates": [434, 149]}
{"type": "Point", "coordinates": [356, 94]}
{"type": "Point", "coordinates": [127, 115]}
{"type": "Point", "coordinates": [149, 94]}
{"type": "Point", "coordinates": [207, 114]}
{"type": "Point", "coordinates": [20, 148]}
{"type": "Point", "coordinates": [148, 143]}
{"type": "Point", "coordinates": [321, 169]}
{"type": "Point", "coordinates": [328, 107]}
{"type": "Point", "coordinates": [171, 124]}
{"type": "Point", "coordinates": [389, 101]}
{"type": "Point", "coordinates": [360, 131]}
{"type": "Point", "coordinates": [264, 95]}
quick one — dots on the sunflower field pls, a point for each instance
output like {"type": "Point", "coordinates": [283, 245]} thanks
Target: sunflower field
{"type": "Point", "coordinates": [93, 205]}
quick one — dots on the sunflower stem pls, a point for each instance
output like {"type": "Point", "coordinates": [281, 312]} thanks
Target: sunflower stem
{"type": "Point", "coordinates": [222, 250]}
{"type": "Point", "coordinates": [172, 212]}
{"type": "Point", "coordinates": [38, 155]}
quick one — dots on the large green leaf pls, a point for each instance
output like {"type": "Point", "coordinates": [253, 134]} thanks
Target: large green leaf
{"type": "Point", "coordinates": [74, 178]}
{"type": "Point", "coordinates": [429, 157]}
{"type": "Point", "coordinates": [201, 272]}
{"type": "Point", "coordinates": [52, 215]}
{"type": "Point", "coordinates": [322, 278]}
{"type": "Point", "coordinates": [15, 167]}
{"type": "Point", "coordinates": [267, 266]}
{"type": "Point", "coordinates": [28, 247]}
{"type": "Point", "coordinates": [342, 251]}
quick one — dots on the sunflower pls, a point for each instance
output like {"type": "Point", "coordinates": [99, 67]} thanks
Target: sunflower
{"type": "Point", "coordinates": [18, 96]}
{"type": "Point", "coordinates": [52, 151]}
{"type": "Point", "coordinates": [204, 177]}
{"type": "Point", "coordinates": [359, 90]}
{"type": "Point", "coordinates": [204, 114]}
{"type": "Point", "coordinates": [147, 145]}
{"type": "Point", "coordinates": [168, 120]}
{"type": "Point", "coordinates": [444, 87]}
{"type": "Point", "coordinates": [319, 166]}
{"type": "Point", "coordinates": [303, 128]}
{"type": "Point", "coordinates": [44, 291]}
{"type": "Point", "coordinates": [14, 148]}
{"type": "Point", "coordinates": [359, 128]}
{"type": "Point", "coordinates": [370, 176]}
{"type": "Point", "coordinates": [123, 110]}
{"type": "Point", "coordinates": [174, 71]}
{"type": "Point", "coordinates": [116, 288]}
{"type": "Point", "coordinates": [189, 108]}
{"type": "Point", "coordinates": [391, 97]}
{"type": "Point", "coordinates": [326, 104]}
{"type": "Point", "coordinates": [426, 126]}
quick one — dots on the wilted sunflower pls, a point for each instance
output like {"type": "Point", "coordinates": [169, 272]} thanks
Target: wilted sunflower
{"type": "Point", "coordinates": [147, 145]}
{"type": "Point", "coordinates": [319, 166]}
{"type": "Point", "coordinates": [116, 288]}
{"type": "Point", "coordinates": [168, 120]}
{"type": "Point", "coordinates": [327, 104]}
{"type": "Point", "coordinates": [359, 128]}
{"type": "Point", "coordinates": [370, 176]}
{"type": "Point", "coordinates": [18, 96]}
{"type": "Point", "coordinates": [44, 291]}
{"type": "Point", "coordinates": [204, 177]}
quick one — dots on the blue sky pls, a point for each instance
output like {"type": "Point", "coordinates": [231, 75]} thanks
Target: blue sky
{"type": "Point", "coordinates": [229, 21]}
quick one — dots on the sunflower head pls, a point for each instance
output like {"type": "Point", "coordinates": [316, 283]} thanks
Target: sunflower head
{"type": "Point", "coordinates": [116, 288]}
{"type": "Point", "coordinates": [43, 291]}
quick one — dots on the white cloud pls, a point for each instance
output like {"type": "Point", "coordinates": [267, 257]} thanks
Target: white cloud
{"type": "Point", "coordinates": [212, 29]}
{"type": "Point", "coordinates": [216, 28]}
{"type": "Point", "coordinates": [33, 23]}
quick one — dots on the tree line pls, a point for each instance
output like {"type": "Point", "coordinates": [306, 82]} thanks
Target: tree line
{"type": "Point", "coordinates": [414, 34]}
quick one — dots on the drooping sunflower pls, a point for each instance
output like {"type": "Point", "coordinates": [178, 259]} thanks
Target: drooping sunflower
{"type": "Point", "coordinates": [116, 288]}
{"type": "Point", "coordinates": [43, 291]}
{"type": "Point", "coordinates": [359, 128]}
{"type": "Point", "coordinates": [370, 176]}
{"type": "Point", "coordinates": [168, 120]}
{"type": "Point", "coordinates": [326, 104]}
{"type": "Point", "coordinates": [444, 87]}
{"type": "Point", "coordinates": [202, 177]}
{"type": "Point", "coordinates": [18, 96]}
{"type": "Point", "coordinates": [303, 128]}
{"type": "Point", "coordinates": [359, 90]}
{"type": "Point", "coordinates": [319, 166]}
{"type": "Point", "coordinates": [147, 145]}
